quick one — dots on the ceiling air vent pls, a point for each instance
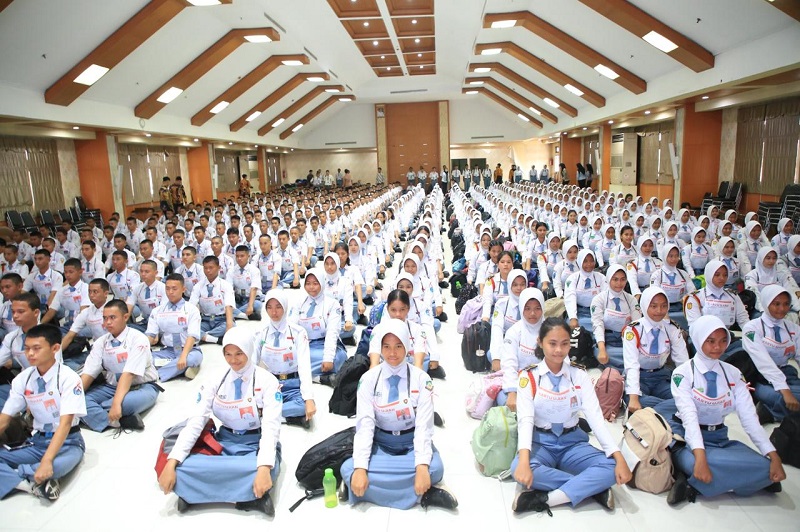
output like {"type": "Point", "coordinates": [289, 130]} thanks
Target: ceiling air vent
{"type": "Point", "coordinates": [274, 23]}
{"type": "Point", "coordinates": [340, 143]}
{"type": "Point", "coordinates": [489, 137]}
{"type": "Point", "coordinates": [306, 50]}
{"type": "Point", "coordinates": [408, 91]}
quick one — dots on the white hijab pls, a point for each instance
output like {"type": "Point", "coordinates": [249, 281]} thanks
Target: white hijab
{"type": "Point", "coordinates": [702, 328]}
{"type": "Point", "coordinates": [244, 339]}
{"type": "Point", "coordinates": [400, 330]}
{"type": "Point", "coordinates": [644, 303]}
{"type": "Point", "coordinates": [525, 296]}
{"type": "Point", "coordinates": [281, 297]}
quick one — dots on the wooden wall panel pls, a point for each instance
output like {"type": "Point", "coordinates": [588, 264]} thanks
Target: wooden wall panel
{"type": "Point", "coordinates": [700, 159]}
{"type": "Point", "coordinates": [94, 171]}
{"type": "Point", "coordinates": [662, 191]}
{"type": "Point", "coordinates": [412, 138]}
{"type": "Point", "coordinates": [200, 173]}
{"type": "Point", "coordinates": [570, 156]}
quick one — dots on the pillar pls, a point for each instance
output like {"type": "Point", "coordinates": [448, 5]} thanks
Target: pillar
{"type": "Point", "coordinates": [699, 168]}
{"type": "Point", "coordinates": [97, 182]}
{"type": "Point", "coordinates": [199, 160]}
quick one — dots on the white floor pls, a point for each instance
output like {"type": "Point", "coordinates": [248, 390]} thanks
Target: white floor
{"type": "Point", "coordinates": [115, 487]}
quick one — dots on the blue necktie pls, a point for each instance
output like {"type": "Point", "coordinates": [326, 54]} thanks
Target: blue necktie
{"type": "Point", "coordinates": [40, 382]}
{"type": "Point", "coordinates": [571, 267]}
{"type": "Point", "coordinates": [729, 263]}
{"type": "Point", "coordinates": [755, 246]}
{"type": "Point", "coordinates": [555, 380]}
{"type": "Point", "coordinates": [504, 287]}
{"type": "Point", "coordinates": [147, 292]}
{"type": "Point", "coordinates": [311, 308]}
{"type": "Point", "coordinates": [711, 383]}
{"type": "Point", "coordinates": [118, 278]}
{"type": "Point", "coordinates": [671, 277]}
{"type": "Point", "coordinates": [699, 249]}
{"type": "Point", "coordinates": [9, 317]}
{"type": "Point", "coordinates": [276, 342]}
{"type": "Point", "coordinates": [115, 343]}
{"type": "Point", "coordinates": [588, 283]}
{"type": "Point", "coordinates": [616, 303]}
{"type": "Point", "coordinates": [654, 343]}
{"type": "Point", "coordinates": [210, 288]}
{"type": "Point", "coordinates": [555, 256]}
{"type": "Point", "coordinates": [518, 316]}
{"type": "Point", "coordinates": [188, 272]}
{"type": "Point", "coordinates": [394, 393]}
{"type": "Point", "coordinates": [237, 388]}
{"type": "Point", "coordinates": [647, 265]}
{"type": "Point", "coordinates": [777, 329]}
{"type": "Point", "coordinates": [241, 272]}
{"type": "Point", "coordinates": [797, 261]}
{"type": "Point", "coordinates": [71, 288]}
{"type": "Point", "coordinates": [42, 277]}
{"type": "Point", "coordinates": [88, 267]}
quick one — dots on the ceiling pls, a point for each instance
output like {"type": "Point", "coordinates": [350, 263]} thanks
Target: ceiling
{"type": "Point", "coordinates": [186, 71]}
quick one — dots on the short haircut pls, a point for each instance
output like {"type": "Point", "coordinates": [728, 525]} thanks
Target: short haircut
{"type": "Point", "coordinates": [174, 277]}
{"type": "Point", "coordinates": [29, 298]}
{"type": "Point", "coordinates": [232, 231]}
{"type": "Point", "coordinates": [11, 247]}
{"type": "Point", "coordinates": [119, 305]}
{"type": "Point", "coordinates": [120, 253]}
{"type": "Point", "coordinates": [120, 235]}
{"type": "Point", "coordinates": [102, 283]}
{"type": "Point", "coordinates": [150, 263]}
{"type": "Point", "coordinates": [50, 333]}
{"type": "Point", "coordinates": [73, 263]}
{"type": "Point", "coordinates": [42, 252]}
{"type": "Point", "coordinates": [190, 249]}
{"type": "Point", "coordinates": [241, 248]}
{"type": "Point", "coordinates": [211, 260]}
{"type": "Point", "coordinates": [13, 277]}
{"type": "Point", "coordinates": [89, 243]}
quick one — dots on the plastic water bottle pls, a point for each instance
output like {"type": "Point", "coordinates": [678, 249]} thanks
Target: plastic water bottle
{"type": "Point", "coordinates": [458, 285]}
{"type": "Point", "coordinates": [329, 485]}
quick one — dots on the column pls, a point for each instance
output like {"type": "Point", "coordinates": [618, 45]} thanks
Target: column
{"type": "Point", "coordinates": [98, 188]}
{"type": "Point", "coordinates": [199, 161]}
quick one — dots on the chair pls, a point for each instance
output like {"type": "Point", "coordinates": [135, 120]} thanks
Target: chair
{"type": "Point", "coordinates": [14, 220]}
{"type": "Point", "coordinates": [28, 221]}
{"type": "Point", "coordinates": [770, 212]}
{"type": "Point", "coordinates": [64, 215]}
{"type": "Point", "coordinates": [48, 219]}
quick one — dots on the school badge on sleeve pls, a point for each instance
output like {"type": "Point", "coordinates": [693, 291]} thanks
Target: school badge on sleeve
{"type": "Point", "coordinates": [629, 335]}
{"type": "Point", "coordinates": [523, 382]}
{"type": "Point", "coordinates": [677, 379]}
{"type": "Point", "coordinates": [429, 386]}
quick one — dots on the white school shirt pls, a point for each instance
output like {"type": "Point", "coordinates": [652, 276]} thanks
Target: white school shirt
{"type": "Point", "coordinates": [629, 311]}
{"type": "Point", "coordinates": [291, 355]}
{"type": "Point", "coordinates": [122, 283]}
{"type": "Point", "coordinates": [63, 395]}
{"type": "Point", "coordinates": [769, 354]}
{"type": "Point", "coordinates": [174, 256]}
{"type": "Point", "coordinates": [13, 348]}
{"type": "Point", "coordinates": [174, 323]}
{"type": "Point", "coordinates": [133, 356]}
{"type": "Point", "coordinates": [325, 322]}
{"type": "Point", "coordinates": [91, 317]}
{"type": "Point", "coordinates": [518, 351]}
{"type": "Point", "coordinates": [7, 318]}
{"type": "Point", "coordinates": [576, 293]}
{"type": "Point", "coordinates": [636, 340]}
{"type": "Point", "coordinates": [131, 259]}
{"type": "Point", "coordinates": [215, 304]}
{"type": "Point", "coordinates": [259, 407]}
{"type": "Point", "coordinates": [415, 387]}
{"type": "Point", "coordinates": [43, 283]}
{"type": "Point", "coordinates": [159, 266]}
{"type": "Point", "coordinates": [243, 279]}
{"type": "Point", "coordinates": [138, 297]}
{"type": "Point", "coordinates": [92, 269]}
{"type": "Point", "coordinates": [191, 277]}
{"type": "Point", "coordinates": [71, 299]}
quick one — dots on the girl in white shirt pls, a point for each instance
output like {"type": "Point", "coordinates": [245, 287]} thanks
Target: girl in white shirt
{"type": "Point", "coordinates": [612, 310]}
{"type": "Point", "coordinates": [506, 313]}
{"type": "Point", "coordinates": [520, 343]}
{"type": "Point", "coordinates": [768, 273]}
{"type": "Point", "coordinates": [580, 289]}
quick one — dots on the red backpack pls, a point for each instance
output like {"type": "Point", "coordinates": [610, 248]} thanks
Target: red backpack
{"type": "Point", "coordinates": [609, 389]}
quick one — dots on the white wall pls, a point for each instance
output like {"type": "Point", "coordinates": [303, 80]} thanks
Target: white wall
{"type": "Point", "coordinates": [477, 116]}
{"type": "Point", "coordinates": [350, 122]}
{"type": "Point", "coordinates": [362, 165]}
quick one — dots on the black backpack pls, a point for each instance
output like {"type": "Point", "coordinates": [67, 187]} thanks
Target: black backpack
{"type": "Point", "coordinates": [457, 282]}
{"type": "Point", "coordinates": [343, 399]}
{"type": "Point", "coordinates": [581, 348]}
{"type": "Point", "coordinates": [786, 439]}
{"type": "Point", "coordinates": [741, 360]}
{"type": "Point", "coordinates": [476, 338]}
{"type": "Point", "coordinates": [329, 453]}
{"type": "Point", "coordinates": [468, 291]}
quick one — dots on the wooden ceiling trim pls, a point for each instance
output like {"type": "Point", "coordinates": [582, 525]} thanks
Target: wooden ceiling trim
{"type": "Point", "coordinates": [375, 28]}
{"type": "Point", "coordinates": [245, 84]}
{"type": "Point", "coordinates": [570, 46]}
{"type": "Point", "coordinates": [296, 106]}
{"type": "Point", "coordinates": [361, 9]}
{"type": "Point", "coordinates": [311, 115]}
{"type": "Point", "coordinates": [4, 4]}
{"type": "Point", "coordinates": [414, 27]}
{"type": "Point", "coordinates": [273, 98]}
{"type": "Point", "coordinates": [640, 23]}
{"type": "Point", "coordinates": [548, 70]}
{"type": "Point", "coordinates": [790, 7]}
{"type": "Point", "coordinates": [115, 48]}
{"type": "Point", "coordinates": [421, 70]}
{"type": "Point", "coordinates": [514, 95]}
{"type": "Point", "coordinates": [534, 89]}
{"type": "Point", "coordinates": [508, 106]}
{"type": "Point", "coordinates": [400, 8]}
{"type": "Point", "coordinates": [204, 62]}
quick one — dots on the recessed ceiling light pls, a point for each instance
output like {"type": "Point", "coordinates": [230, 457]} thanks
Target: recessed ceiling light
{"type": "Point", "coordinates": [383, 57]}
{"type": "Point", "coordinates": [197, 140]}
{"type": "Point", "coordinates": [705, 98]}
{"type": "Point", "coordinates": [416, 41]}
{"type": "Point", "coordinates": [91, 75]}
{"type": "Point", "coordinates": [257, 38]}
{"type": "Point", "coordinates": [523, 117]}
{"type": "Point", "coordinates": [573, 89]}
{"type": "Point", "coordinates": [491, 51]}
{"type": "Point", "coordinates": [75, 127]}
{"type": "Point", "coordinates": [255, 145]}
{"type": "Point", "coordinates": [204, 3]}
{"type": "Point", "coordinates": [292, 149]}
{"type": "Point", "coordinates": [419, 55]}
{"type": "Point", "coordinates": [388, 68]}
{"type": "Point", "coordinates": [292, 62]}
{"type": "Point", "coordinates": [277, 148]}
{"type": "Point", "coordinates": [607, 72]}
{"type": "Point", "coordinates": [535, 110]}
{"type": "Point", "coordinates": [551, 103]}
{"type": "Point", "coordinates": [332, 89]}
{"type": "Point", "coordinates": [481, 70]}
{"type": "Point", "coordinates": [585, 128]}
{"type": "Point", "coordinates": [230, 144]}
{"type": "Point", "coordinates": [647, 112]}
{"type": "Point", "coordinates": [277, 123]}
{"type": "Point", "coordinates": [366, 24]}
{"type": "Point", "coordinates": [471, 92]}
{"type": "Point", "coordinates": [610, 121]}
{"type": "Point", "coordinates": [148, 135]}
{"type": "Point", "coordinates": [345, 99]}
{"type": "Point", "coordinates": [504, 23]}
{"type": "Point", "coordinates": [660, 42]}
{"type": "Point", "coordinates": [374, 43]}
{"type": "Point", "coordinates": [219, 107]}
{"type": "Point", "coordinates": [413, 21]}
{"type": "Point", "coordinates": [420, 67]}
{"type": "Point", "coordinates": [170, 94]}
{"type": "Point", "coordinates": [297, 128]}
{"type": "Point", "coordinates": [315, 79]}
{"type": "Point", "coordinates": [477, 82]}
{"type": "Point", "coordinates": [253, 116]}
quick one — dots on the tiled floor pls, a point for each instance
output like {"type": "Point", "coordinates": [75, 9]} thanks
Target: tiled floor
{"type": "Point", "coordinates": [115, 487]}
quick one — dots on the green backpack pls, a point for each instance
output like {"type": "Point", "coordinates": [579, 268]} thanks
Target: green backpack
{"type": "Point", "coordinates": [494, 442]}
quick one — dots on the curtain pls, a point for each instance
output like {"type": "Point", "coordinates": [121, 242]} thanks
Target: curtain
{"type": "Point", "coordinates": [590, 144]}
{"type": "Point", "coordinates": [30, 179]}
{"type": "Point", "coordinates": [143, 169]}
{"type": "Point", "coordinates": [227, 170]}
{"type": "Point", "coordinates": [654, 164]}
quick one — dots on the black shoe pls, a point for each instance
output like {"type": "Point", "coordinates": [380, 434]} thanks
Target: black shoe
{"type": "Point", "coordinates": [438, 497]}
{"type": "Point", "coordinates": [437, 373]}
{"type": "Point", "coordinates": [764, 415]}
{"type": "Point", "coordinates": [681, 490]}
{"type": "Point", "coordinates": [437, 420]}
{"type": "Point", "coordinates": [182, 506]}
{"type": "Point", "coordinates": [775, 487]}
{"type": "Point", "coordinates": [362, 320]}
{"type": "Point", "coordinates": [382, 276]}
{"type": "Point", "coordinates": [328, 379]}
{"type": "Point", "coordinates": [605, 498]}
{"type": "Point", "coordinates": [531, 501]}
{"type": "Point", "coordinates": [444, 284]}
{"type": "Point", "coordinates": [219, 340]}
{"type": "Point", "coordinates": [584, 425]}
{"type": "Point", "coordinates": [379, 286]}
{"type": "Point", "coordinates": [446, 274]}
{"type": "Point", "coordinates": [349, 341]}
{"type": "Point", "coordinates": [298, 421]}
{"type": "Point", "coordinates": [132, 422]}
{"type": "Point", "coordinates": [369, 301]}
{"type": "Point", "coordinates": [264, 505]}
{"type": "Point", "coordinates": [343, 492]}
{"type": "Point", "coordinates": [255, 316]}
{"type": "Point", "coordinates": [442, 317]}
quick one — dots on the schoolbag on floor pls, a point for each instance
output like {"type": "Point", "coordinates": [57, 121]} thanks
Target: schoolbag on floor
{"type": "Point", "coordinates": [343, 399]}
{"type": "Point", "coordinates": [609, 388]}
{"type": "Point", "coordinates": [468, 291]}
{"type": "Point", "coordinates": [482, 394]}
{"type": "Point", "coordinates": [329, 453]}
{"type": "Point", "coordinates": [645, 445]}
{"type": "Point", "coordinates": [457, 282]}
{"type": "Point", "coordinates": [494, 442]}
{"type": "Point", "coordinates": [474, 345]}
{"type": "Point", "coordinates": [376, 313]}
{"type": "Point", "coordinates": [470, 313]}
{"type": "Point", "coordinates": [786, 439]}
{"type": "Point", "coordinates": [581, 349]}
{"type": "Point", "coordinates": [206, 443]}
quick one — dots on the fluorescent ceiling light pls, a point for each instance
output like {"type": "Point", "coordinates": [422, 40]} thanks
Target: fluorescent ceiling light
{"type": "Point", "coordinates": [610, 121]}
{"type": "Point", "coordinates": [292, 62]}
{"type": "Point", "coordinates": [705, 98]}
{"type": "Point", "coordinates": [297, 128]}
{"type": "Point", "coordinates": [523, 117]}
{"type": "Point", "coordinates": [91, 75]}
{"type": "Point", "coordinates": [277, 123]}
{"type": "Point", "coordinates": [148, 135]}
{"type": "Point", "coordinates": [257, 38]}
{"type": "Point", "coordinates": [573, 89]}
{"type": "Point", "coordinates": [535, 110]}
{"type": "Point", "coordinates": [170, 94]}
{"type": "Point", "coordinates": [230, 144]}
{"type": "Point", "coordinates": [332, 89]}
{"type": "Point", "coordinates": [253, 116]}
{"type": "Point", "coordinates": [383, 57]}
{"type": "Point", "coordinates": [585, 128]}
{"type": "Point", "coordinates": [491, 51]}
{"type": "Point", "coordinates": [419, 55]}
{"type": "Point", "coordinates": [219, 107]}
{"type": "Point", "coordinates": [204, 3]}
{"type": "Point", "coordinates": [315, 79]}
{"type": "Point", "coordinates": [420, 67]}
{"type": "Point", "coordinates": [471, 92]}
{"type": "Point", "coordinates": [388, 68]}
{"type": "Point", "coordinates": [481, 70]}
{"type": "Point", "coordinates": [551, 103]}
{"type": "Point", "coordinates": [476, 83]}
{"type": "Point", "coordinates": [660, 42]}
{"type": "Point", "coordinates": [503, 23]}
{"type": "Point", "coordinates": [607, 72]}
{"type": "Point", "coordinates": [75, 127]}
{"type": "Point", "coordinates": [345, 99]}
{"type": "Point", "coordinates": [647, 112]}
{"type": "Point", "coordinates": [375, 43]}
{"type": "Point", "coordinates": [197, 140]}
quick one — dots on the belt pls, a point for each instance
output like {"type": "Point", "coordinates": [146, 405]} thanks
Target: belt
{"type": "Point", "coordinates": [72, 430]}
{"type": "Point", "coordinates": [565, 431]}
{"type": "Point", "coordinates": [242, 432]}
{"type": "Point", "coordinates": [707, 428]}
{"type": "Point", "coordinates": [286, 376]}
{"type": "Point", "coordinates": [651, 370]}
{"type": "Point", "coordinates": [397, 432]}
